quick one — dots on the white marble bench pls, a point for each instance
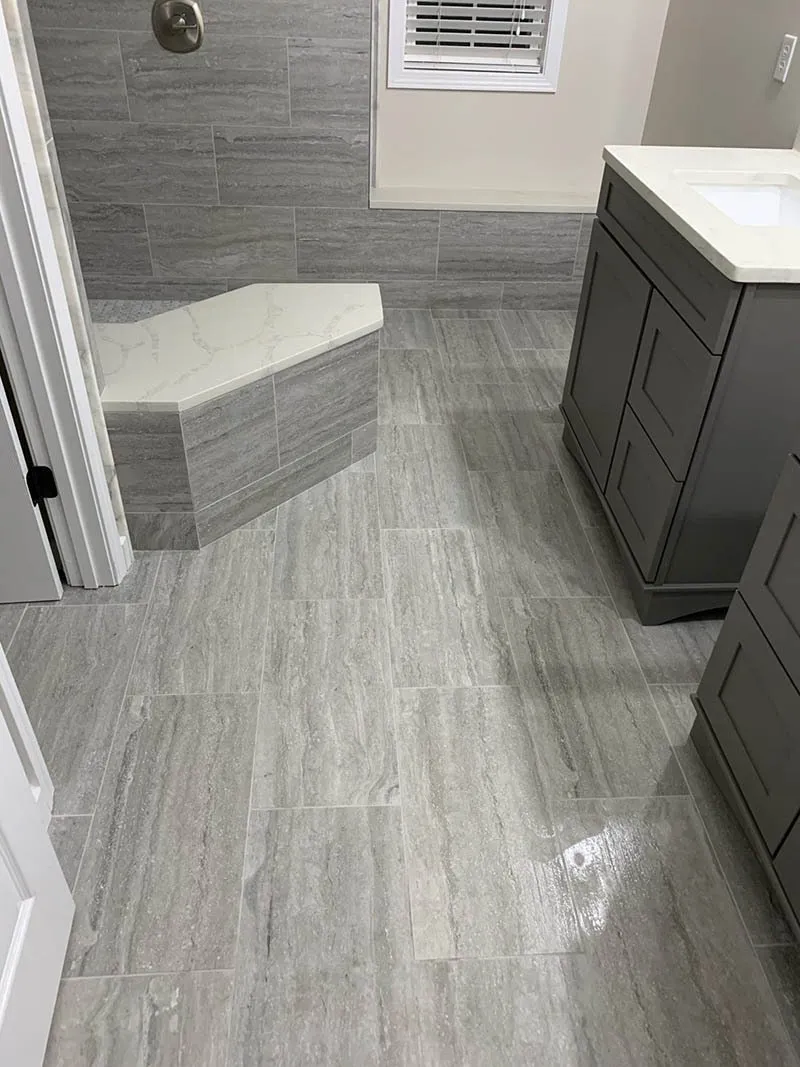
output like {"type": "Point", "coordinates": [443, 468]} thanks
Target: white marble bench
{"type": "Point", "coordinates": [220, 410]}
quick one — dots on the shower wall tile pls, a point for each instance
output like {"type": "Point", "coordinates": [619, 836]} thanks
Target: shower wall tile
{"type": "Point", "coordinates": [133, 287]}
{"type": "Point", "coordinates": [230, 79]}
{"type": "Point", "coordinates": [330, 83]}
{"type": "Point", "coordinates": [466, 295]}
{"type": "Point", "coordinates": [223, 242]}
{"type": "Point", "coordinates": [562, 295]}
{"type": "Point", "coordinates": [90, 14]}
{"type": "Point", "coordinates": [505, 245]}
{"type": "Point", "coordinates": [151, 461]}
{"type": "Point", "coordinates": [136, 162]}
{"type": "Point", "coordinates": [82, 74]}
{"type": "Point", "coordinates": [111, 237]}
{"type": "Point", "coordinates": [292, 167]}
{"type": "Point", "coordinates": [162, 530]}
{"type": "Point", "coordinates": [343, 19]}
{"type": "Point", "coordinates": [326, 397]}
{"type": "Point", "coordinates": [366, 244]}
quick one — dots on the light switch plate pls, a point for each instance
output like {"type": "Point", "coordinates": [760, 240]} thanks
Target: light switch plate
{"type": "Point", "coordinates": [785, 57]}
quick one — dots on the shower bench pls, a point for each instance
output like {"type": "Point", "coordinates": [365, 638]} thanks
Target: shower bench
{"type": "Point", "coordinates": [220, 410]}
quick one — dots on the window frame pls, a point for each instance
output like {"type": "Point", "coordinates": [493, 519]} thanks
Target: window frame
{"type": "Point", "coordinates": [399, 76]}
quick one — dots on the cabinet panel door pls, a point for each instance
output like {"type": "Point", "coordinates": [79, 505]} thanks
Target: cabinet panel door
{"type": "Point", "coordinates": [672, 381]}
{"type": "Point", "coordinates": [771, 579]}
{"type": "Point", "coordinates": [754, 710]}
{"type": "Point", "coordinates": [787, 867]}
{"type": "Point", "coordinates": [642, 494]}
{"type": "Point", "coordinates": [610, 320]}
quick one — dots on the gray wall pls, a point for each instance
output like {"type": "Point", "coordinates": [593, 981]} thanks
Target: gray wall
{"type": "Point", "coordinates": [249, 160]}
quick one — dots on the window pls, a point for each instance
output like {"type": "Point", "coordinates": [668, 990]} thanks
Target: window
{"type": "Point", "coordinates": [500, 45]}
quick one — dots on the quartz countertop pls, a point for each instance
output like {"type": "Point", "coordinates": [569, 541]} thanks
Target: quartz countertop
{"type": "Point", "coordinates": [742, 253]}
{"type": "Point", "coordinates": [181, 358]}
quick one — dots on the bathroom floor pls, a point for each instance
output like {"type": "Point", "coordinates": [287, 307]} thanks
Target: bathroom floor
{"type": "Point", "coordinates": [394, 775]}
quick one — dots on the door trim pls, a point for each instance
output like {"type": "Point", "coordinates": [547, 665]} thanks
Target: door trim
{"type": "Point", "coordinates": [41, 354]}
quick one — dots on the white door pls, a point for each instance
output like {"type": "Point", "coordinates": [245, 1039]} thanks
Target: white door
{"type": "Point", "coordinates": [27, 568]}
{"type": "Point", "coordinates": [35, 904]}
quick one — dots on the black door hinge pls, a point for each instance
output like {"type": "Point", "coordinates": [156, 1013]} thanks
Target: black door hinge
{"type": "Point", "coordinates": [41, 484]}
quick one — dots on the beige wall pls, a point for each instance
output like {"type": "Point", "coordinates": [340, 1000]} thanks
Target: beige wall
{"type": "Point", "coordinates": [714, 82]}
{"type": "Point", "coordinates": [529, 142]}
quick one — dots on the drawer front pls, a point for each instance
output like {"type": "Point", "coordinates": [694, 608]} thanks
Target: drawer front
{"type": "Point", "coordinates": [671, 385]}
{"type": "Point", "coordinates": [771, 580]}
{"type": "Point", "coordinates": [754, 710]}
{"type": "Point", "coordinates": [787, 867]}
{"type": "Point", "coordinates": [703, 297]}
{"type": "Point", "coordinates": [642, 494]}
{"type": "Point", "coordinates": [610, 321]}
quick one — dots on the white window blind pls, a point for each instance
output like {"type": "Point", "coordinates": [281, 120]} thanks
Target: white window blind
{"type": "Point", "coordinates": [476, 44]}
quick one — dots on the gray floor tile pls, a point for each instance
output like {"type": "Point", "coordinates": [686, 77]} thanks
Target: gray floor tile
{"type": "Point", "coordinates": [596, 728]}
{"type": "Point", "coordinates": [543, 329]}
{"type": "Point", "coordinates": [561, 295]}
{"type": "Point", "coordinates": [10, 615]}
{"type": "Point", "coordinates": [359, 243]}
{"type": "Point", "coordinates": [68, 836]}
{"type": "Point", "coordinates": [588, 506]}
{"type": "Point", "coordinates": [422, 478]}
{"type": "Point", "coordinates": [135, 587]}
{"type": "Point", "coordinates": [173, 1020]}
{"type": "Point", "coordinates": [82, 74]}
{"type": "Point", "coordinates": [254, 243]}
{"type": "Point", "coordinates": [465, 313]}
{"type": "Point", "coordinates": [326, 734]}
{"type": "Point", "coordinates": [292, 167]}
{"type": "Point", "coordinates": [160, 883]}
{"type": "Point", "coordinates": [544, 371]}
{"type": "Point", "coordinates": [111, 237]}
{"type": "Point", "coordinates": [658, 921]}
{"type": "Point", "coordinates": [232, 78]}
{"type": "Point", "coordinates": [205, 628]}
{"type": "Point", "coordinates": [476, 350]}
{"type": "Point", "coordinates": [324, 941]}
{"type": "Point", "coordinates": [497, 244]}
{"type": "Point", "coordinates": [486, 877]}
{"type": "Point", "coordinates": [407, 328]}
{"type": "Point", "coordinates": [782, 966]}
{"type": "Point", "coordinates": [507, 434]}
{"type": "Point", "coordinates": [673, 654]}
{"type": "Point", "coordinates": [167, 530]}
{"type": "Point", "coordinates": [443, 628]}
{"type": "Point", "coordinates": [327, 541]}
{"type": "Point", "coordinates": [72, 667]}
{"type": "Point", "coordinates": [330, 83]}
{"type": "Point", "coordinates": [531, 543]}
{"type": "Point", "coordinates": [412, 388]}
{"type": "Point", "coordinates": [760, 911]}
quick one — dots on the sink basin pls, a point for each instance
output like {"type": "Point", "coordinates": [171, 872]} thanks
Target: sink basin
{"type": "Point", "coordinates": [753, 199]}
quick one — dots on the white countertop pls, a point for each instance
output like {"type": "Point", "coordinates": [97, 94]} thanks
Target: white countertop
{"type": "Point", "coordinates": [174, 361]}
{"type": "Point", "coordinates": [742, 253]}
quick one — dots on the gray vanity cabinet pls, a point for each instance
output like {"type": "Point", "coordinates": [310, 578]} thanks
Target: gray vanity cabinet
{"type": "Point", "coordinates": [681, 402]}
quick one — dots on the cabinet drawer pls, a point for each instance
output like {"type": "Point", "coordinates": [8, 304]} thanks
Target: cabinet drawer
{"type": "Point", "coordinates": [771, 580]}
{"type": "Point", "coordinates": [703, 297]}
{"type": "Point", "coordinates": [787, 867]}
{"type": "Point", "coordinates": [642, 494]}
{"type": "Point", "coordinates": [672, 381]}
{"type": "Point", "coordinates": [754, 710]}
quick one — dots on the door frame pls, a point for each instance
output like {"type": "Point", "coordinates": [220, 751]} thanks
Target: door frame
{"type": "Point", "coordinates": [41, 353]}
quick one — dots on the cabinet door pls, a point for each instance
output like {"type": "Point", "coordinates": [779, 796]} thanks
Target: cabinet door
{"type": "Point", "coordinates": [672, 381]}
{"type": "Point", "coordinates": [642, 494]}
{"type": "Point", "coordinates": [771, 579]}
{"type": "Point", "coordinates": [610, 320]}
{"type": "Point", "coordinates": [754, 710]}
{"type": "Point", "coordinates": [787, 867]}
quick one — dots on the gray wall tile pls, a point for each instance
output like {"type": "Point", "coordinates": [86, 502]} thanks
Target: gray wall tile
{"type": "Point", "coordinates": [151, 460]}
{"type": "Point", "coordinates": [366, 244]}
{"type": "Point", "coordinates": [346, 19]}
{"type": "Point", "coordinates": [330, 83]}
{"type": "Point", "coordinates": [504, 245]}
{"type": "Point", "coordinates": [230, 441]}
{"type": "Point", "coordinates": [213, 242]}
{"type": "Point", "coordinates": [327, 396]}
{"type": "Point", "coordinates": [408, 328]}
{"type": "Point", "coordinates": [132, 287]}
{"type": "Point", "coordinates": [365, 440]}
{"type": "Point", "coordinates": [90, 14]}
{"type": "Point", "coordinates": [111, 238]}
{"type": "Point", "coordinates": [229, 79]}
{"type": "Point", "coordinates": [168, 530]}
{"type": "Point", "coordinates": [260, 497]}
{"type": "Point", "coordinates": [303, 168]}
{"type": "Point", "coordinates": [543, 296]}
{"type": "Point", "coordinates": [82, 74]}
{"type": "Point", "coordinates": [422, 294]}
{"type": "Point", "coordinates": [134, 162]}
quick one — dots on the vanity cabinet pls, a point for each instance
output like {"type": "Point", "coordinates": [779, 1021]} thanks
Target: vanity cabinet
{"type": "Point", "coordinates": [748, 702]}
{"type": "Point", "coordinates": [680, 403]}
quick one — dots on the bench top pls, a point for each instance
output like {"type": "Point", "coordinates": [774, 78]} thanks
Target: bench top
{"type": "Point", "coordinates": [174, 361]}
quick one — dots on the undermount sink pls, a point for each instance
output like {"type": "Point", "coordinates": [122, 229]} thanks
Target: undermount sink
{"type": "Point", "coordinates": [751, 199]}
